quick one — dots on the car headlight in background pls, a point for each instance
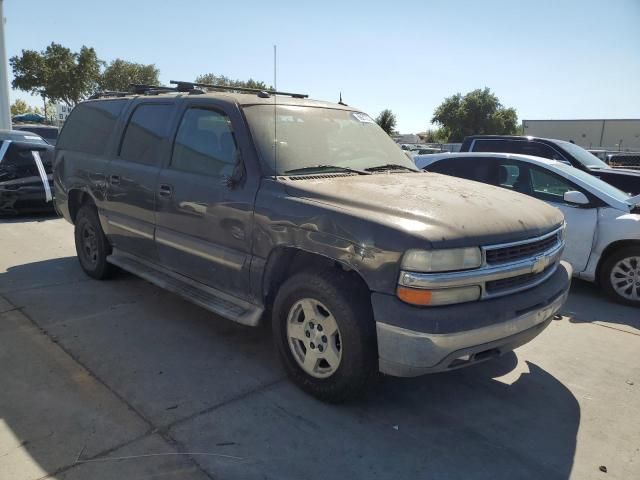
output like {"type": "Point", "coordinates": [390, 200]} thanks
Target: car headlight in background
{"type": "Point", "coordinates": [444, 260]}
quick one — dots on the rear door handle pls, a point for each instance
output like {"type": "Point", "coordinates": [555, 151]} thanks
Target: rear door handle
{"type": "Point", "coordinates": [165, 190]}
{"type": "Point", "coordinates": [114, 179]}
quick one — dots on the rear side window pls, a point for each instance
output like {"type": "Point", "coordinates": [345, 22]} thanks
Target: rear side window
{"type": "Point", "coordinates": [523, 147]}
{"type": "Point", "coordinates": [205, 143]}
{"type": "Point", "coordinates": [89, 126]}
{"type": "Point", "coordinates": [478, 169]}
{"type": "Point", "coordinates": [147, 129]}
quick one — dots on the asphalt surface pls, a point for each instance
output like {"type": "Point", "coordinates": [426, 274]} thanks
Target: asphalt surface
{"type": "Point", "coordinates": [121, 380]}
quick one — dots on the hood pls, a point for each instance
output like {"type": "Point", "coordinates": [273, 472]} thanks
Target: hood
{"type": "Point", "coordinates": [438, 208]}
{"type": "Point", "coordinates": [617, 171]}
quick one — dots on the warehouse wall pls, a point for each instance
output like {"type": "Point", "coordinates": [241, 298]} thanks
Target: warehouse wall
{"type": "Point", "coordinates": [606, 134]}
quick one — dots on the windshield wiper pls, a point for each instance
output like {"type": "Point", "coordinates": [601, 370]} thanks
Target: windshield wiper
{"type": "Point", "coordinates": [320, 168]}
{"type": "Point", "coordinates": [390, 166]}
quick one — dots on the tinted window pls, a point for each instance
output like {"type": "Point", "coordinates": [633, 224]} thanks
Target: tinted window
{"type": "Point", "coordinates": [146, 130]}
{"type": "Point", "coordinates": [478, 169]}
{"type": "Point", "coordinates": [47, 133]}
{"type": "Point", "coordinates": [509, 174]}
{"type": "Point", "coordinates": [89, 126]}
{"type": "Point", "coordinates": [523, 147]}
{"type": "Point", "coordinates": [205, 143]}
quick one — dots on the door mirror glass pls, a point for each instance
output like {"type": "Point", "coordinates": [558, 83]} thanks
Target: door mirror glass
{"type": "Point", "coordinates": [576, 198]}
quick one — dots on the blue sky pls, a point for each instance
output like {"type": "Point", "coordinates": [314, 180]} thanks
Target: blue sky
{"type": "Point", "coordinates": [548, 59]}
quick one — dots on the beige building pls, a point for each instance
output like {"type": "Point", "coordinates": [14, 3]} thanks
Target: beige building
{"type": "Point", "coordinates": [615, 134]}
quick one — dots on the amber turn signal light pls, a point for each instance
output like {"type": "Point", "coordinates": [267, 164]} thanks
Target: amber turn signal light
{"type": "Point", "coordinates": [414, 296]}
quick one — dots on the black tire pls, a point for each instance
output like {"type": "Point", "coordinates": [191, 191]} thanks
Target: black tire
{"type": "Point", "coordinates": [92, 246]}
{"type": "Point", "coordinates": [348, 303]}
{"type": "Point", "coordinates": [622, 292]}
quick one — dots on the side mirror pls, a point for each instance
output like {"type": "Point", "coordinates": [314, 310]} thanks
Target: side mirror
{"type": "Point", "coordinates": [238, 174]}
{"type": "Point", "coordinates": [576, 198]}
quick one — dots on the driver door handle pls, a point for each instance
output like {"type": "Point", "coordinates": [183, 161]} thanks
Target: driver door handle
{"type": "Point", "coordinates": [165, 190]}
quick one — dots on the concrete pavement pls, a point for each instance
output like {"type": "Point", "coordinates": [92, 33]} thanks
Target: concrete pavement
{"type": "Point", "coordinates": [119, 379]}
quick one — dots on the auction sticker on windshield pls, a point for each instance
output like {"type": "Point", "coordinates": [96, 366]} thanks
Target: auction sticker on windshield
{"type": "Point", "coordinates": [362, 117]}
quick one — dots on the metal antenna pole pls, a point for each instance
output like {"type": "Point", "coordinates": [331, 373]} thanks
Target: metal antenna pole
{"type": "Point", "coordinates": [5, 113]}
{"type": "Point", "coordinates": [275, 113]}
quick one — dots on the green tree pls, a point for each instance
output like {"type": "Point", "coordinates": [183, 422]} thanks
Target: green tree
{"type": "Point", "coordinates": [387, 121]}
{"type": "Point", "coordinates": [120, 73]}
{"type": "Point", "coordinates": [19, 107]}
{"type": "Point", "coordinates": [57, 73]}
{"type": "Point", "coordinates": [213, 79]}
{"type": "Point", "coordinates": [477, 112]}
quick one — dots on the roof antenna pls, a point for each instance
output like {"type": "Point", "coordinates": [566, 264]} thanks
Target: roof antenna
{"type": "Point", "coordinates": [341, 102]}
{"type": "Point", "coordinates": [275, 114]}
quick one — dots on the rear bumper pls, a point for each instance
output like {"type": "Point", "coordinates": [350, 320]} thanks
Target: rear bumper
{"type": "Point", "coordinates": [456, 339]}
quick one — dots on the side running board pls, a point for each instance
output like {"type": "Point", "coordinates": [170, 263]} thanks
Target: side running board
{"type": "Point", "coordinates": [207, 297]}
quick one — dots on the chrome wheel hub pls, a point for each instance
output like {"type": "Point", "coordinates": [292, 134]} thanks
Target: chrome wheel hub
{"type": "Point", "coordinates": [314, 338]}
{"type": "Point", "coordinates": [90, 244]}
{"type": "Point", "coordinates": [625, 278]}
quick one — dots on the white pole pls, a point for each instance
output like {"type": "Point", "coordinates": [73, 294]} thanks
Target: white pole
{"type": "Point", "coordinates": [5, 113]}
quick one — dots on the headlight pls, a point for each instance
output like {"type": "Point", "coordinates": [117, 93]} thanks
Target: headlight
{"type": "Point", "coordinates": [442, 260]}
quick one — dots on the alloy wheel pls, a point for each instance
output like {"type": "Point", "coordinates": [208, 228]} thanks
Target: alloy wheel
{"type": "Point", "coordinates": [314, 338]}
{"type": "Point", "coordinates": [625, 278]}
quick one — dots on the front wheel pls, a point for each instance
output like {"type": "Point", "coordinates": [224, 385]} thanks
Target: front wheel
{"type": "Point", "coordinates": [620, 276]}
{"type": "Point", "coordinates": [92, 245]}
{"type": "Point", "coordinates": [325, 334]}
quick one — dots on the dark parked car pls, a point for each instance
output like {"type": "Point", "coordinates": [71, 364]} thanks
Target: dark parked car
{"type": "Point", "coordinates": [25, 173]}
{"type": "Point", "coordinates": [306, 214]}
{"type": "Point", "coordinates": [624, 179]}
{"type": "Point", "coordinates": [624, 160]}
{"type": "Point", "coordinates": [48, 132]}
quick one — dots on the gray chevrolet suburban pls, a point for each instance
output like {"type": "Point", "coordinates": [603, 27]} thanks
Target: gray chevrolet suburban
{"type": "Point", "coordinates": [272, 207]}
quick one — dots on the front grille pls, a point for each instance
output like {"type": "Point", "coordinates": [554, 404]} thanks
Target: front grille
{"type": "Point", "coordinates": [321, 176]}
{"type": "Point", "coordinates": [512, 253]}
{"type": "Point", "coordinates": [503, 284]}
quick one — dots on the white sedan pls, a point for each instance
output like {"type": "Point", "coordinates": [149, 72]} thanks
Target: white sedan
{"type": "Point", "coordinates": [603, 223]}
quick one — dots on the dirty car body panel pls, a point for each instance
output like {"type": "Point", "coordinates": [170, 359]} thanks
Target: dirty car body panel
{"type": "Point", "coordinates": [224, 229]}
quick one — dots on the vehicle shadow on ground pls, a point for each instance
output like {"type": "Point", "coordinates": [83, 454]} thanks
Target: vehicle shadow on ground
{"type": "Point", "coordinates": [588, 303]}
{"type": "Point", "coordinates": [32, 217]}
{"type": "Point", "coordinates": [207, 381]}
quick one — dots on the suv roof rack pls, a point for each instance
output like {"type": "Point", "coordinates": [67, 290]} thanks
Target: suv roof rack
{"type": "Point", "coordinates": [188, 87]}
{"type": "Point", "coordinates": [182, 86]}
{"type": "Point", "coordinates": [144, 89]}
{"type": "Point", "coordinates": [108, 93]}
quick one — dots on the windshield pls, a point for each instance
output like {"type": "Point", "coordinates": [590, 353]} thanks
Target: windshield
{"type": "Point", "coordinates": [595, 183]}
{"type": "Point", "coordinates": [585, 158]}
{"type": "Point", "coordinates": [321, 137]}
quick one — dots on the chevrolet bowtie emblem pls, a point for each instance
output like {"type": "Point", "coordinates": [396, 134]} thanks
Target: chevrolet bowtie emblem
{"type": "Point", "coordinates": [540, 264]}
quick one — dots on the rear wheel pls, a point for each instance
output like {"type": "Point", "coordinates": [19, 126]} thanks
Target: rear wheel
{"type": "Point", "coordinates": [325, 334]}
{"type": "Point", "coordinates": [620, 275]}
{"type": "Point", "coordinates": [92, 245]}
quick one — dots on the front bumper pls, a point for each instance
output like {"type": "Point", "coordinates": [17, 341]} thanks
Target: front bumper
{"type": "Point", "coordinates": [415, 341]}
